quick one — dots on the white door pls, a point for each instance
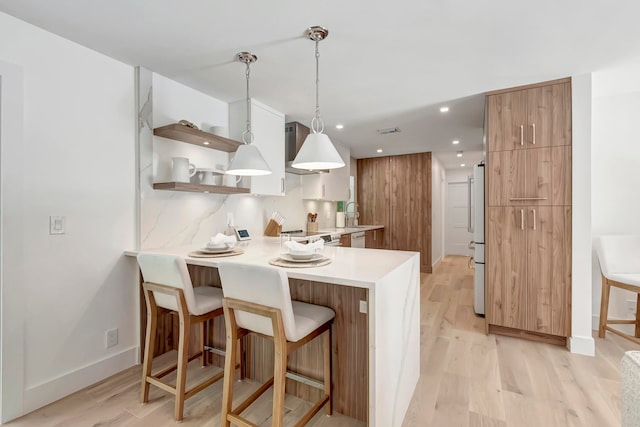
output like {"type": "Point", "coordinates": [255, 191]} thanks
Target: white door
{"type": "Point", "coordinates": [457, 235]}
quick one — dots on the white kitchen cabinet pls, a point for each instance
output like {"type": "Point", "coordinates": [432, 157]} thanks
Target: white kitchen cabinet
{"type": "Point", "coordinates": [267, 126]}
{"type": "Point", "coordinates": [329, 186]}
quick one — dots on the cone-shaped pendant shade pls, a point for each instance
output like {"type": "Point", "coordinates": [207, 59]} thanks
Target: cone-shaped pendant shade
{"type": "Point", "coordinates": [317, 152]}
{"type": "Point", "coordinates": [248, 161]}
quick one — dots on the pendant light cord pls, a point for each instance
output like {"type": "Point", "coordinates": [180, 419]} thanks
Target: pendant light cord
{"type": "Point", "coordinates": [317, 126]}
{"type": "Point", "coordinates": [248, 132]}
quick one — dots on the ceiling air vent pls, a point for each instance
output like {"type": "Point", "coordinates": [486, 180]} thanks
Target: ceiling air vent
{"type": "Point", "coordinates": [386, 131]}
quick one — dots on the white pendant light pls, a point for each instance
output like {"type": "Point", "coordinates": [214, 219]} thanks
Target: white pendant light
{"type": "Point", "coordinates": [247, 160]}
{"type": "Point", "coordinates": [317, 151]}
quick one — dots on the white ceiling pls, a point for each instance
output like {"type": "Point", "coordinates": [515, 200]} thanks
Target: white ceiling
{"type": "Point", "coordinates": [384, 63]}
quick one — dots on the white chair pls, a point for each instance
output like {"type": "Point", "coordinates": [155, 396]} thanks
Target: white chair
{"type": "Point", "coordinates": [167, 287]}
{"type": "Point", "coordinates": [619, 258]}
{"type": "Point", "coordinates": [257, 300]}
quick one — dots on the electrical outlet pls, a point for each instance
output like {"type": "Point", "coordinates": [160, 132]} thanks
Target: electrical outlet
{"type": "Point", "coordinates": [631, 305]}
{"type": "Point", "coordinates": [111, 337]}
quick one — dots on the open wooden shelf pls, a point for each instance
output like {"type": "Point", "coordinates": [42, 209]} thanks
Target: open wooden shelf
{"type": "Point", "coordinates": [199, 188]}
{"type": "Point", "coordinates": [197, 137]}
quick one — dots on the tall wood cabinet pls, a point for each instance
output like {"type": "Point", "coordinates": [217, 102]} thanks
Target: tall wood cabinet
{"type": "Point", "coordinates": [528, 211]}
{"type": "Point", "coordinates": [395, 191]}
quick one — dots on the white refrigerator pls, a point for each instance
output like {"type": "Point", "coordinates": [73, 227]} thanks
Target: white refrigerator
{"type": "Point", "coordinates": [476, 226]}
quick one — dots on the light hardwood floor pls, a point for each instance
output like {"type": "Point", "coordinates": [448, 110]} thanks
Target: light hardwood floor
{"type": "Point", "coordinates": [467, 379]}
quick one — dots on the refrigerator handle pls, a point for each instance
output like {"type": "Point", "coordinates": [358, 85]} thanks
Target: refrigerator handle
{"type": "Point", "coordinates": [470, 226]}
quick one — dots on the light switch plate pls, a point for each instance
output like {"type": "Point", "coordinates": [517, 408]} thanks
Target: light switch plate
{"type": "Point", "coordinates": [56, 225]}
{"type": "Point", "coordinates": [363, 307]}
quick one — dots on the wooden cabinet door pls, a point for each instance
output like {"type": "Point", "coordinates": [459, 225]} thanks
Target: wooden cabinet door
{"type": "Point", "coordinates": [506, 177]}
{"type": "Point", "coordinates": [373, 239]}
{"type": "Point", "coordinates": [506, 121]}
{"type": "Point", "coordinates": [506, 268]}
{"type": "Point", "coordinates": [549, 269]}
{"type": "Point", "coordinates": [345, 240]}
{"type": "Point", "coordinates": [548, 116]}
{"type": "Point", "coordinates": [374, 193]}
{"type": "Point", "coordinates": [538, 177]}
{"type": "Point", "coordinates": [561, 176]}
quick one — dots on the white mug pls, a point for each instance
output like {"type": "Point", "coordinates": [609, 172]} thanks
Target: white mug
{"type": "Point", "coordinates": [230, 180]}
{"type": "Point", "coordinates": [208, 177]}
{"type": "Point", "coordinates": [181, 169]}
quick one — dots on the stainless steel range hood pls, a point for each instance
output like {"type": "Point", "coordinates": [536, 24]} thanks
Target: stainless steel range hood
{"type": "Point", "coordinates": [294, 135]}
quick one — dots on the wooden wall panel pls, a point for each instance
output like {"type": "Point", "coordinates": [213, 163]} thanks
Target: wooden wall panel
{"type": "Point", "coordinates": [373, 193]}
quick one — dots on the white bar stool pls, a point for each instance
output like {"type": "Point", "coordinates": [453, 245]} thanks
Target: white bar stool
{"type": "Point", "coordinates": [257, 300]}
{"type": "Point", "coordinates": [619, 258]}
{"type": "Point", "coordinates": [167, 287]}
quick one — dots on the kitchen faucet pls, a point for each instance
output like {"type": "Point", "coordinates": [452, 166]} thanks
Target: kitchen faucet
{"type": "Point", "coordinates": [356, 214]}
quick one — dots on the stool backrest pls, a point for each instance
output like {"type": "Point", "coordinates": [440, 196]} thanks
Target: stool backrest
{"type": "Point", "coordinates": [262, 285]}
{"type": "Point", "coordinates": [168, 270]}
{"type": "Point", "coordinates": [619, 254]}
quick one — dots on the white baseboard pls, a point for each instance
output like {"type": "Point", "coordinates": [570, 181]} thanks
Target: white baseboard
{"type": "Point", "coordinates": [44, 393]}
{"type": "Point", "coordinates": [582, 345]}
{"type": "Point", "coordinates": [433, 265]}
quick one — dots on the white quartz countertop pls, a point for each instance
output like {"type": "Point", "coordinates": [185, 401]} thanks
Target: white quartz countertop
{"type": "Point", "coordinates": [357, 267]}
{"type": "Point", "coordinates": [349, 230]}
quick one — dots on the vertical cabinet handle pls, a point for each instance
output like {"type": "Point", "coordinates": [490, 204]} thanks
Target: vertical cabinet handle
{"type": "Point", "coordinates": [521, 219]}
{"type": "Point", "coordinates": [322, 190]}
{"type": "Point", "coordinates": [533, 133]}
{"type": "Point", "coordinates": [374, 234]}
{"type": "Point", "coordinates": [282, 185]}
{"type": "Point", "coordinates": [534, 218]}
{"type": "Point", "coordinates": [469, 186]}
{"type": "Point", "coordinates": [521, 134]}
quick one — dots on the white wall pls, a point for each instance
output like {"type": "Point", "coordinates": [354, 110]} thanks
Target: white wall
{"type": "Point", "coordinates": [437, 211]}
{"type": "Point", "coordinates": [77, 158]}
{"type": "Point", "coordinates": [615, 166]}
{"type": "Point", "coordinates": [581, 340]}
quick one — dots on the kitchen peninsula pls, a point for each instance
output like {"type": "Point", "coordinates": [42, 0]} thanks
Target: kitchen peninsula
{"type": "Point", "coordinates": [376, 335]}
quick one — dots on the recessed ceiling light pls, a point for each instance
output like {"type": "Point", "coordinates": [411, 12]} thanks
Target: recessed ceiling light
{"type": "Point", "coordinates": [444, 109]}
{"type": "Point", "coordinates": [461, 164]}
{"type": "Point", "coordinates": [206, 142]}
{"type": "Point", "coordinates": [339, 126]}
{"type": "Point", "coordinates": [455, 142]}
{"type": "Point", "coordinates": [459, 154]}
{"type": "Point", "coordinates": [379, 150]}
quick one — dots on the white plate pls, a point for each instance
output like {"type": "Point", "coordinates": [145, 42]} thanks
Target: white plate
{"type": "Point", "coordinates": [314, 257]}
{"type": "Point", "coordinates": [215, 251]}
{"type": "Point", "coordinates": [216, 246]}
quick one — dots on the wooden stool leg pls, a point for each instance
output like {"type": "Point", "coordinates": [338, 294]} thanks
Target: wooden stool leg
{"type": "Point", "coordinates": [604, 307]}
{"type": "Point", "coordinates": [241, 356]}
{"type": "Point", "coordinates": [326, 341]}
{"type": "Point", "coordinates": [149, 345]}
{"type": "Point", "coordinates": [638, 317]}
{"type": "Point", "coordinates": [204, 357]}
{"type": "Point", "coordinates": [183, 358]}
{"type": "Point", "coordinates": [279, 379]}
{"type": "Point", "coordinates": [229, 366]}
